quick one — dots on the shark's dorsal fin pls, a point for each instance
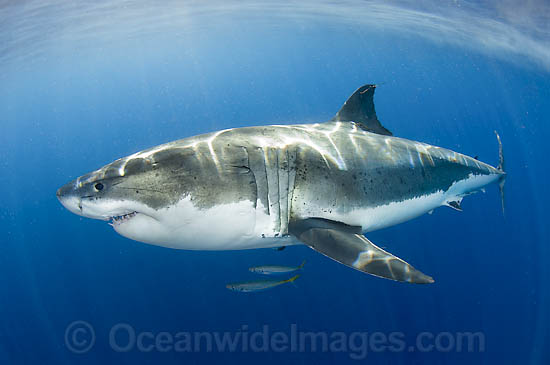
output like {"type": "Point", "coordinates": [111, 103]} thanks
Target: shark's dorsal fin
{"type": "Point", "coordinates": [359, 108]}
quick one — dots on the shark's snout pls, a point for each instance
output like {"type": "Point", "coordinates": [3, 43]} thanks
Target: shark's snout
{"type": "Point", "coordinates": [94, 200]}
{"type": "Point", "coordinates": [65, 191]}
{"type": "Point", "coordinates": [68, 197]}
{"type": "Point", "coordinates": [62, 192]}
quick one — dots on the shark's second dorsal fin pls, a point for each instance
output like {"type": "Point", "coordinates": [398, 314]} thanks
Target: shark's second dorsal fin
{"type": "Point", "coordinates": [359, 108]}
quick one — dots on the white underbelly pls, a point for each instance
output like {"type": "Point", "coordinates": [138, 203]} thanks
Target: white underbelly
{"type": "Point", "coordinates": [382, 216]}
{"type": "Point", "coordinates": [374, 218]}
{"type": "Point", "coordinates": [233, 226]}
{"type": "Point", "coordinates": [241, 225]}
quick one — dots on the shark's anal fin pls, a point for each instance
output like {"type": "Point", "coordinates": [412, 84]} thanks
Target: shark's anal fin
{"type": "Point", "coordinates": [359, 108]}
{"type": "Point", "coordinates": [348, 246]}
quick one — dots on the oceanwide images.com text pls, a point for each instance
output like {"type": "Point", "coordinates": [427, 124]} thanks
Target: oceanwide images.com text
{"type": "Point", "coordinates": [80, 338]}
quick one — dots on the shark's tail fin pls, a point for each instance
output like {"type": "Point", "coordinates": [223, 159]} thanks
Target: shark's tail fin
{"type": "Point", "coordinates": [500, 167]}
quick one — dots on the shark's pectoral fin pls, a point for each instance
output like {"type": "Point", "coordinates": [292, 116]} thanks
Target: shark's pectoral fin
{"type": "Point", "coordinates": [348, 246]}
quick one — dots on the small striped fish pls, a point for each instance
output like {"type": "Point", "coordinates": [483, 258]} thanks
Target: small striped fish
{"type": "Point", "coordinates": [275, 270]}
{"type": "Point", "coordinates": [251, 286]}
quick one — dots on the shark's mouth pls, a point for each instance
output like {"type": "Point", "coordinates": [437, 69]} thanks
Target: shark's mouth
{"type": "Point", "coordinates": [119, 219]}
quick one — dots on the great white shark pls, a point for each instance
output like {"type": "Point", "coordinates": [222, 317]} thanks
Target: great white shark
{"type": "Point", "coordinates": [324, 185]}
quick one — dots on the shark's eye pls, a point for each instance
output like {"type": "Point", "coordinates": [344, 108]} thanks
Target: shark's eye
{"type": "Point", "coordinates": [98, 186]}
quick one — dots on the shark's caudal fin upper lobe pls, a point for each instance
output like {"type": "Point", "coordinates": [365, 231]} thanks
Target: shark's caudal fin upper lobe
{"type": "Point", "coordinates": [500, 167]}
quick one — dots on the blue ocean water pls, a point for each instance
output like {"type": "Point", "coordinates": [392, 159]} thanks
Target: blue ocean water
{"type": "Point", "coordinates": [82, 85]}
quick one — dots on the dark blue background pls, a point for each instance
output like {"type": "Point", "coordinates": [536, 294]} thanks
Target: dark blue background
{"type": "Point", "coordinates": [78, 106]}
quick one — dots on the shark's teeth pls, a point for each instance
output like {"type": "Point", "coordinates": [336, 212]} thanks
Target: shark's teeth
{"type": "Point", "coordinates": [122, 218]}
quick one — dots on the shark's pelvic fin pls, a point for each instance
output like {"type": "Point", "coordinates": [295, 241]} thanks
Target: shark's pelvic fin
{"type": "Point", "coordinates": [359, 108]}
{"type": "Point", "coordinates": [348, 246]}
{"type": "Point", "coordinates": [455, 204]}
